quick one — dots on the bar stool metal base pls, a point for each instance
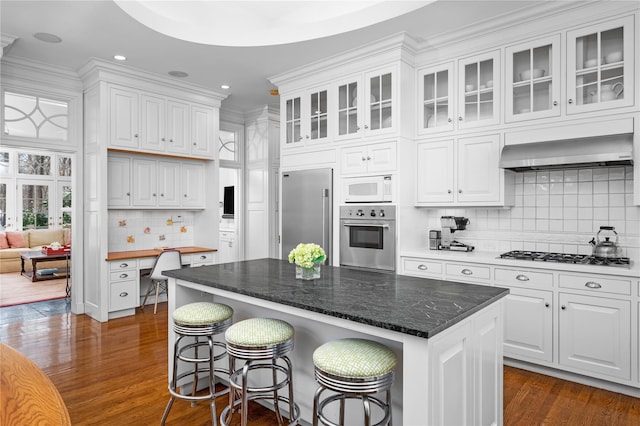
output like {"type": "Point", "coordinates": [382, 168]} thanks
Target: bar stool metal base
{"type": "Point", "coordinates": [191, 353]}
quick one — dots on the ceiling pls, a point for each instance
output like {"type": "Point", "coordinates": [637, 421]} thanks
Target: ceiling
{"type": "Point", "coordinates": [101, 29]}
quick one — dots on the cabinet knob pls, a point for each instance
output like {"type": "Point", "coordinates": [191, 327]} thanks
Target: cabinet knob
{"type": "Point", "coordinates": [563, 307]}
{"type": "Point", "coordinates": [459, 191]}
{"type": "Point", "coordinates": [364, 158]}
{"type": "Point", "coordinates": [170, 140]}
{"type": "Point", "coordinates": [135, 136]}
{"type": "Point", "coordinates": [124, 294]}
{"type": "Point", "coordinates": [460, 118]}
{"type": "Point", "coordinates": [128, 194]}
{"type": "Point", "coordinates": [368, 158]}
{"type": "Point", "coordinates": [570, 101]}
{"type": "Point", "coordinates": [185, 195]}
{"type": "Point", "coordinates": [449, 120]}
{"type": "Point", "coordinates": [546, 305]}
{"type": "Point", "coordinates": [592, 284]}
{"type": "Point", "coordinates": [555, 103]}
{"type": "Point", "coordinates": [357, 128]}
{"type": "Point", "coordinates": [466, 271]}
{"type": "Point", "coordinates": [154, 194]}
{"type": "Point", "coordinates": [194, 144]}
{"type": "Point", "coordinates": [162, 139]}
{"type": "Point", "coordinates": [366, 126]}
{"type": "Point", "coordinates": [307, 136]}
{"type": "Point", "coordinates": [448, 191]}
{"type": "Point", "coordinates": [162, 195]}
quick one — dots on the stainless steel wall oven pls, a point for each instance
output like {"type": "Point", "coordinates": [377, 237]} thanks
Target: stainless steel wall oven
{"type": "Point", "coordinates": [368, 237]}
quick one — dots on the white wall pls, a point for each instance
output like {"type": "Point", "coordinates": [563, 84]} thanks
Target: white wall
{"type": "Point", "coordinates": [557, 210]}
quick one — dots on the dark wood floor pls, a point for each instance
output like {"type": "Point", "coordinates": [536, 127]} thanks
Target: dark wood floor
{"type": "Point", "coordinates": [115, 373]}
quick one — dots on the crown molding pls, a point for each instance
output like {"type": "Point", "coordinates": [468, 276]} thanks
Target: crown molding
{"type": "Point", "coordinates": [6, 40]}
{"type": "Point", "coordinates": [99, 70]}
{"type": "Point", "coordinates": [39, 73]}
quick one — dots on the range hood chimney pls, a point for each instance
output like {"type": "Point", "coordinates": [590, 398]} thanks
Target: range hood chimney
{"type": "Point", "coordinates": [597, 151]}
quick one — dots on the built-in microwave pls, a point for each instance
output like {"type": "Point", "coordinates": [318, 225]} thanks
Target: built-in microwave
{"type": "Point", "coordinates": [368, 189]}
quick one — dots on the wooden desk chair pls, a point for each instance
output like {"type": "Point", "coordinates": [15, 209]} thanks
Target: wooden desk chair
{"type": "Point", "coordinates": [166, 261]}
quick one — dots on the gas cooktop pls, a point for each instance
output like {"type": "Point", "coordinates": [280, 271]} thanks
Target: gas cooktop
{"type": "Point", "coordinates": [582, 259]}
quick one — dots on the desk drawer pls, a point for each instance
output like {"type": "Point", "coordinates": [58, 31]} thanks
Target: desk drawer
{"type": "Point", "coordinates": [123, 295]}
{"type": "Point", "coordinates": [117, 265]}
{"type": "Point", "coordinates": [468, 271]}
{"type": "Point", "coordinates": [595, 284]}
{"type": "Point", "coordinates": [198, 259]}
{"type": "Point", "coordinates": [124, 275]}
{"type": "Point", "coordinates": [421, 267]}
{"type": "Point", "coordinates": [523, 277]}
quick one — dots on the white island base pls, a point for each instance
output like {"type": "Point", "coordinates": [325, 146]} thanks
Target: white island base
{"type": "Point", "coordinates": [452, 378]}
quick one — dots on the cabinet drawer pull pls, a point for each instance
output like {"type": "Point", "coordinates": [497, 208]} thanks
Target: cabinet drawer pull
{"type": "Point", "coordinates": [124, 294]}
{"type": "Point", "coordinates": [203, 257]}
{"type": "Point", "coordinates": [124, 265]}
{"type": "Point", "coordinates": [422, 267]}
{"type": "Point", "coordinates": [124, 275]}
{"type": "Point", "coordinates": [521, 277]}
{"type": "Point", "coordinates": [466, 271]}
{"type": "Point", "coordinates": [592, 284]}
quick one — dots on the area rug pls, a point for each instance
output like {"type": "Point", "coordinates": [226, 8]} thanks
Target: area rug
{"type": "Point", "coordinates": [17, 290]}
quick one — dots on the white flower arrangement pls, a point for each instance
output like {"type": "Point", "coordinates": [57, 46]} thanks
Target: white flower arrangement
{"type": "Point", "coordinates": [307, 255]}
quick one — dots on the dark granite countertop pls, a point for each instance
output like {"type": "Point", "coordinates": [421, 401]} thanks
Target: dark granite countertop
{"type": "Point", "coordinates": [416, 306]}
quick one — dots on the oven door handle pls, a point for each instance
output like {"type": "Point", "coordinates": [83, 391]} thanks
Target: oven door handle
{"type": "Point", "coordinates": [375, 225]}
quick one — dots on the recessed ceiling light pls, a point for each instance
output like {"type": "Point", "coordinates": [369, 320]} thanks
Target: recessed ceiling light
{"type": "Point", "coordinates": [180, 74]}
{"type": "Point", "coordinates": [224, 86]}
{"type": "Point", "coordinates": [47, 38]}
{"type": "Point", "coordinates": [119, 57]}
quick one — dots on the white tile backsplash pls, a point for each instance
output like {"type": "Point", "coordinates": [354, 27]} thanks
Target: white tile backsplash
{"type": "Point", "coordinates": [559, 210]}
{"type": "Point", "coordinates": [147, 229]}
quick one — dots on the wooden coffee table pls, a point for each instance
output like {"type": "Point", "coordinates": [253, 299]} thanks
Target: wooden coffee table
{"type": "Point", "coordinates": [37, 257]}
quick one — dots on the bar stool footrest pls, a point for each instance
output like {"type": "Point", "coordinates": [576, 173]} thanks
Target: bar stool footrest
{"type": "Point", "coordinates": [292, 420]}
{"type": "Point", "coordinates": [382, 405]}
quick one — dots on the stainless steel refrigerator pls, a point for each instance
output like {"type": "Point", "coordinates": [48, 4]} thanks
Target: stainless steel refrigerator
{"type": "Point", "coordinates": [307, 210]}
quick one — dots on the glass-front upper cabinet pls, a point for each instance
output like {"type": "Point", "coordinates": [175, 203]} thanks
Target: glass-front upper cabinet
{"type": "Point", "coordinates": [293, 120]}
{"type": "Point", "coordinates": [479, 90]}
{"type": "Point", "coordinates": [600, 62]}
{"type": "Point", "coordinates": [435, 88]}
{"type": "Point", "coordinates": [317, 115]}
{"type": "Point", "coordinates": [381, 102]}
{"type": "Point", "coordinates": [533, 76]}
{"type": "Point", "coordinates": [348, 116]}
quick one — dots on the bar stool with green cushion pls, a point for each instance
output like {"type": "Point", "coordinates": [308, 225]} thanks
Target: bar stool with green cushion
{"type": "Point", "coordinates": [195, 321]}
{"type": "Point", "coordinates": [354, 369]}
{"type": "Point", "coordinates": [260, 343]}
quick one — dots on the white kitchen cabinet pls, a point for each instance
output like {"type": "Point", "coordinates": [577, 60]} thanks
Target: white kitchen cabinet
{"type": "Point", "coordinates": [436, 107]}
{"type": "Point", "coordinates": [468, 272]}
{"type": "Point", "coordinates": [374, 158]}
{"type": "Point", "coordinates": [123, 118]}
{"type": "Point", "coordinates": [421, 267]}
{"type": "Point", "coordinates": [349, 114]}
{"type": "Point", "coordinates": [169, 185]}
{"type": "Point", "coordinates": [124, 287]}
{"type": "Point", "coordinates": [148, 122]}
{"type": "Point", "coordinates": [152, 123]}
{"type": "Point", "coordinates": [178, 128]}
{"type": "Point", "coordinates": [381, 101]}
{"type": "Point", "coordinates": [533, 79]}
{"type": "Point", "coordinates": [202, 259]}
{"type": "Point", "coordinates": [594, 334]}
{"type": "Point", "coordinates": [192, 184]}
{"type": "Point", "coordinates": [144, 182]}
{"type": "Point", "coordinates": [203, 126]}
{"type": "Point", "coordinates": [528, 324]}
{"type": "Point", "coordinates": [600, 66]}
{"type": "Point", "coordinates": [228, 249]}
{"type": "Point", "coordinates": [463, 171]}
{"type": "Point", "coordinates": [306, 117]}
{"type": "Point", "coordinates": [479, 90]}
{"type": "Point", "coordinates": [119, 181]}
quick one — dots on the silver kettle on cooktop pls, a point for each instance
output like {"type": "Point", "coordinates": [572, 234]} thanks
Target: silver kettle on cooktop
{"type": "Point", "coordinates": [605, 247]}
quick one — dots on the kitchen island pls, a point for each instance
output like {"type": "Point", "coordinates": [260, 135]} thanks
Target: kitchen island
{"type": "Point", "coordinates": [447, 335]}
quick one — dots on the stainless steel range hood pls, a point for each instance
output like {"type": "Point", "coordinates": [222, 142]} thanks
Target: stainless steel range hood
{"type": "Point", "coordinates": [601, 150]}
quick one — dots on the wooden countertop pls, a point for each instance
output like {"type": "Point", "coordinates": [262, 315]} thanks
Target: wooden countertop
{"type": "Point", "coordinates": [137, 254]}
{"type": "Point", "coordinates": [27, 395]}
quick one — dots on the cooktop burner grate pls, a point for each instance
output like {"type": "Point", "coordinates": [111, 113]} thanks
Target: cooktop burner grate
{"type": "Point", "coordinates": [584, 259]}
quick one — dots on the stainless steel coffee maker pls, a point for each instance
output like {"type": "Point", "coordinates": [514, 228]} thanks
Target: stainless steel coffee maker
{"type": "Point", "coordinates": [449, 225]}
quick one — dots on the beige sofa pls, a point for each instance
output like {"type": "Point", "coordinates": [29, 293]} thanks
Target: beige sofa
{"type": "Point", "coordinates": [34, 240]}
